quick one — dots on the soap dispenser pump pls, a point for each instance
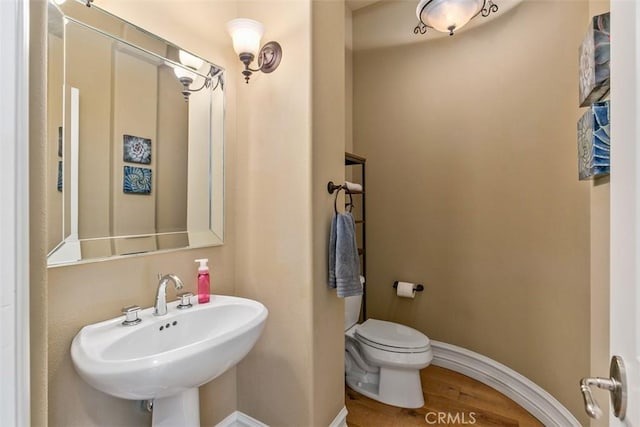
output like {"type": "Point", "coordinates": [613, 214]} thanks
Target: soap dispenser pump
{"type": "Point", "coordinates": [203, 281]}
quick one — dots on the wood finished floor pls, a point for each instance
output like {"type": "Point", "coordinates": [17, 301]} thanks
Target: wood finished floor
{"type": "Point", "coordinates": [444, 391]}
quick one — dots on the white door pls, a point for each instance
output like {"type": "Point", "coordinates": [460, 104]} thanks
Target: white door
{"type": "Point", "coordinates": [625, 200]}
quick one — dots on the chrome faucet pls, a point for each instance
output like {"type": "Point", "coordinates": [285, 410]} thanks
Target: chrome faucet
{"type": "Point", "coordinates": [161, 294]}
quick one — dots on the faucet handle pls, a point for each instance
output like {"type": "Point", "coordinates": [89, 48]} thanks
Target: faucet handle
{"type": "Point", "coordinates": [185, 300]}
{"type": "Point", "coordinates": [131, 315]}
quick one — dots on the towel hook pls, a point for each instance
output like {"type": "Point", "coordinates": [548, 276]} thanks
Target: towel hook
{"type": "Point", "coordinates": [333, 188]}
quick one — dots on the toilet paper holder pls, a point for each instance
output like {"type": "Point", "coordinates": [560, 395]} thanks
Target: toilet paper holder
{"type": "Point", "coordinates": [416, 287]}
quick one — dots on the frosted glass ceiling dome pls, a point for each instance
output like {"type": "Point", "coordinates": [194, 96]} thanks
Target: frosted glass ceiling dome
{"type": "Point", "coordinates": [385, 23]}
{"type": "Point", "coordinates": [448, 16]}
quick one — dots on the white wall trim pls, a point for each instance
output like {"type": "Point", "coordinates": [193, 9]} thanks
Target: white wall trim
{"type": "Point", "coordinates": [518, 388]}
{"type": "Point", "coordinates": [624, 243]}
{"type": "Point", "coordinates": [14, 213]}
{"type": "Point", "coordinates": [341, 419]}
{"type": "Point", "coordinates": [239, 419]}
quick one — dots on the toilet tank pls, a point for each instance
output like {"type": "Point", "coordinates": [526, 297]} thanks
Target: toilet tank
{"type": "Point", "coordinates": [351, 310]}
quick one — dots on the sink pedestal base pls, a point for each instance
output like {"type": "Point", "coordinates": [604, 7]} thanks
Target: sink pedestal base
{"type": "Point", "coordinates": [178, 410]}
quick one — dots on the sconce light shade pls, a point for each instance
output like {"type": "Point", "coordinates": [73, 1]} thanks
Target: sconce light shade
{"type": "Point", "coordinates": [190, 60]}
{"type": "Point", "coordinates": [191, 80]}
{"type": "Point", "coordinates": [182, 73]}
{"type": "Point", "coordinates": [246, 35]}
{"type": "Point", "coordinates": [448, 16]}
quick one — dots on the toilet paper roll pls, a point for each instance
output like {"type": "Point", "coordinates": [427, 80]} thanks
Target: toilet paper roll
{"type": "Point", "coordinates": [354, 187]}
{"type": "Point", "coordinates": [406, 290]}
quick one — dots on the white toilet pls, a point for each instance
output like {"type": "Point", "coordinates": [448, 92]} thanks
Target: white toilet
{"type": "Point", "coordinates": [383, 359]}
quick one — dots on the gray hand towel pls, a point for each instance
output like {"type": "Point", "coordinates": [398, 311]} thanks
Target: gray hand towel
{"type": "Point", "coordinates": [344, 263]}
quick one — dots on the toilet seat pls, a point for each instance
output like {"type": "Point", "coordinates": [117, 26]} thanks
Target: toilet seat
{"type": "Point", "coordinates": [392, 337]}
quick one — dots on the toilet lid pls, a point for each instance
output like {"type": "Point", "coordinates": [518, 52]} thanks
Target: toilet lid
{"type": "Point", "coordinates": [392, 334]}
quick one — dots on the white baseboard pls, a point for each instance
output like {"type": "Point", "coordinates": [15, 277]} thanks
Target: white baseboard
{"type": "Point", "coordinates": [341, 419]}
{"type": "Point", "coordinates": [239, 419]}
{"type": "Point", "coordinates": [521, 390]}
{"type": "Point", "coordinates": [516, 387]}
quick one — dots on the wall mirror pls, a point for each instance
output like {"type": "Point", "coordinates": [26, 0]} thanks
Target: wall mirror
{"type": "Point", "coordinates": [135, 140]}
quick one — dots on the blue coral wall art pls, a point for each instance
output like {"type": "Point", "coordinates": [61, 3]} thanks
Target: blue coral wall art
{"type": "Point", "coordinates": [136, 149]}
{"type": "Point", "coordinates": [59, 141]}
{"type": "Point", "coordinates": [594, 61]}
{"type": "Point", "coordinates": [59, 183]}
{"type": "Point", "coordinates": [594, 146]}
{"type": "Point", "coordinates": [137, 180]}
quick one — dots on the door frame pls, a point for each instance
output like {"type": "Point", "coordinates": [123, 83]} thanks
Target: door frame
{"type": "Point", "coordinates": [14, 214]}
{"type": "Point", "coordinates": [624, 306]}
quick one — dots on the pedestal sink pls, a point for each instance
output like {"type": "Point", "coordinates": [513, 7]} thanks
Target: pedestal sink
{"type": "Point", "coordinates": [166, 358]}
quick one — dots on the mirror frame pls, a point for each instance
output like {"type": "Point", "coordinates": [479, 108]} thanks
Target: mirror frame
{"type": "Point", "coordinates": [66, 252]}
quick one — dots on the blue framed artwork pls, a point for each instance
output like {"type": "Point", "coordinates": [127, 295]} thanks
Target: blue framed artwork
{"type": "Point", "coordinates": [594, 145]}
{"type": "Point", "coordinates": [59, 141]}
{"type": "Point", "coordinates": [59, 175]}
{"type": "Point", "coordinates": [136, 180]}
{"type": "Point", "coordinates": [595, 54]}
{"type": "Point", "coordinates": [136, 149]}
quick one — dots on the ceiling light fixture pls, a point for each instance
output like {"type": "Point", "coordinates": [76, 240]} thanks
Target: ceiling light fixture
{"type": "Point", "coordinates": [448, 16]}
{"type": "Point", "coordinates": [246, 35]}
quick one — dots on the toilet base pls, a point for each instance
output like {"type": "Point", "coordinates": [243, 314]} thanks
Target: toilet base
{"type": "Point", "coordinates": [393, 386]}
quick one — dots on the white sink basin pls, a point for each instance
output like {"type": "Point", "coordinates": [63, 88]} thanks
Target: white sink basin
{"type": "Point", "coordinates": [167, 355]}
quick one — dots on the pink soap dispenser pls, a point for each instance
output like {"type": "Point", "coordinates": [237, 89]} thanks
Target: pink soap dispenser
{"type": "Point", "coordinates": [203, 281]}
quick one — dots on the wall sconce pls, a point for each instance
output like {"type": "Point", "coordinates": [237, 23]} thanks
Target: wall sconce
{"type": "Point", "coordinates": [246, 35]}
{"type": "Point", "coordinates": [188, 75]}
{"type": "Point", "coordinates": [448, 16]}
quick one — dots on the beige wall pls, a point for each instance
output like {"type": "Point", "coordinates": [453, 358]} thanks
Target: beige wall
{"type": "Point", "coordinates": [329, 108]}
{"type": "Point", "coordinates": [274, 245]}
{"type": "Point", "coordinates": [277, 214]}
{"type": "Point", "coordinates": [472, 190]}
{"type": "Point", "coordinates": [291, 143]}
{"type": "Point", "coordinates": [348, 64]}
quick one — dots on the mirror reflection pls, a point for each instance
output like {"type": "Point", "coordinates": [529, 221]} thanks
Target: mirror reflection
{"type": "Point", "coordinates": [135, 140]}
